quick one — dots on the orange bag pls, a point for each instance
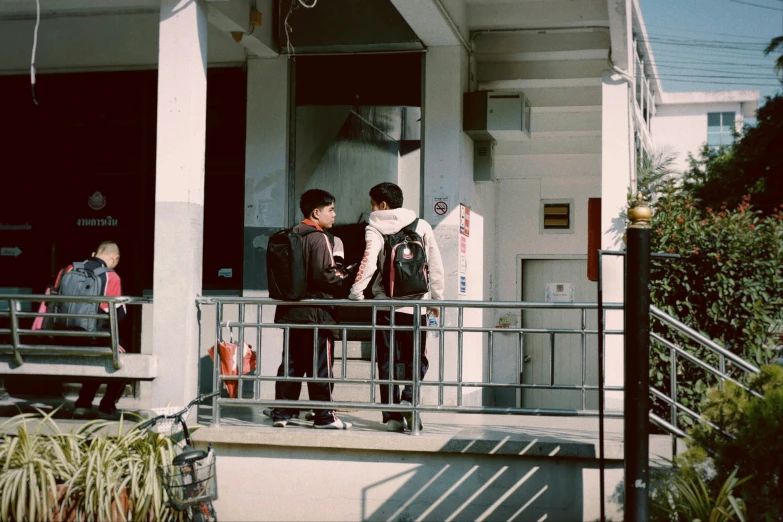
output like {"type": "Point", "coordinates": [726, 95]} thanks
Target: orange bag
{"type": "Point", "coordinates": [228, 363]}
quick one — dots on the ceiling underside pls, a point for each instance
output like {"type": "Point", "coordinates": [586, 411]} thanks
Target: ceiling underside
{"type": "Point", "coordinates": [555, 51]}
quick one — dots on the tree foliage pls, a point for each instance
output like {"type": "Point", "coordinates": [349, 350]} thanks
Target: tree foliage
{"type": "Point", "coordinates": [727, 284]}
{"type": "Point", "coordinates": [748, 438]}
{"type": "Point", "coordinates": [752, 165]}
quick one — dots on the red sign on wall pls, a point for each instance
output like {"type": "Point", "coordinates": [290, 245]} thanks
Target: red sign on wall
{"type": "Point", "coordinates": [464, 220]}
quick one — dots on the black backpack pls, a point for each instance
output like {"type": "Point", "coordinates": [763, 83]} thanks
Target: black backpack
{"type": "Point", "coordinates": [405, 270]}
{"type": "Point", "coordinates": [80, 280]}
{"type": "Point", "coordinates": [286, 272]}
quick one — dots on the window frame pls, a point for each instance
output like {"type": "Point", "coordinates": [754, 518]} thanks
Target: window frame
{"type": "Point", "coordinates": [571, 214]}
{"type": "Point", "coordinates": [723, 135]}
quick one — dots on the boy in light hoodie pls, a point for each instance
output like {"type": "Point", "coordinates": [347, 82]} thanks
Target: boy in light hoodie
{"type": "Point", "coordinates": [388, 217]}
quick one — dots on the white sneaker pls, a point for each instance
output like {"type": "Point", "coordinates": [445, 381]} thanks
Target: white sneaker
{"type": "Point", "coordinates": [408, 416]}
{"type": "Point", "coordinates": [336, 425]}
{"type": "Point", "coordinates": [280, 423]}
{"type": "Point", "coordinates": [395, 425]}
{"type": "Point", "coordinates": [81, 413]}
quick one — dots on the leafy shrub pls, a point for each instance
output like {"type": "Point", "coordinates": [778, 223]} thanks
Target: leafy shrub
{"type": "Point", "coordinates": [677, 495]}
{"type": "Point", "coordinates": [728, 284]}
{"type": "Point", "coordinates": [86, 474]}
{"type": "Point", "coordinates": [749, 438]}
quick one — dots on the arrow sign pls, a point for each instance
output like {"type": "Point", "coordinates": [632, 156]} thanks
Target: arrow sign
{"type": "Point", "coordinates": [12, 252]}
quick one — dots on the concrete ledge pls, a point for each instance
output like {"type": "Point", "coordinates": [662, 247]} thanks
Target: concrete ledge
{"type": "Point", "coordinates": [545, 437]}
{"type": "Point", "coordinates": [134, 366]}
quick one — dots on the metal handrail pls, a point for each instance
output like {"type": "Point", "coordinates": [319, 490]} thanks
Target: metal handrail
{"type": "Point", "coordinates": [17, 348]}
{"type": "Point", "coordinates": [407, 303]}
{"type": "Point", "coordinates": [440, 382]}
{"type": "Point", "coordinates": [702, 340]}
{"type": "Point", "coordinates": [675, 351]}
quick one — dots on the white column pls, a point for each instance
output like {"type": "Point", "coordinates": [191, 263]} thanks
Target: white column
{"type": "Point", "coordinates": [266, 163]}
{"type": "Point", "coordinates": [266, 193]}
{"type": "Point", "coordinates": [179, 198]}
{"type": "Point", "coordinates": [616, 157]}
{"type": "Point", "coordinates": [443, 151]}
{"type": "Point", "coordinates": [448, 173]}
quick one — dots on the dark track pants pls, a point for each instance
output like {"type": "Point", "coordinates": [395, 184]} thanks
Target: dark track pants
{"type": "Point", "coordinates": [300, 364]}
{"type": "Point", "coordinates": [402, 358]}
{"type": "Point", "coordinates": [89, 389]}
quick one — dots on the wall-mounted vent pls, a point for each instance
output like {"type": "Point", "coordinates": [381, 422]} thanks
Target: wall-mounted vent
{"type": "Point", "coordinates": [557, 216]}
{"type": "Point", "coordinates": [483, 167]}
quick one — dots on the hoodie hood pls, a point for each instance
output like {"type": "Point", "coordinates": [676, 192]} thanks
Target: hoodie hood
{"type": "Point", "coordinates": [391, 221]}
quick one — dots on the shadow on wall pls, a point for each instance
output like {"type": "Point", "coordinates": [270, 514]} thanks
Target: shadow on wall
{"type": "Point", "coordinates": [479, 487]}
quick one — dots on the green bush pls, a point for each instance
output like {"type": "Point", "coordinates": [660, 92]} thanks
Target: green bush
{"type": "Point", "coordinates": [84, 474]}
{"type": "Point", "coordinates": [677, 495]}
{"type": "Point", "coordinates": [749, 438]}
{"type": "Point", "coordinates": [728, 284]}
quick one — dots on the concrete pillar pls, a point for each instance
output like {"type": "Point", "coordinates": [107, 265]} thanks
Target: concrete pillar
{"type": "Point", "coordinates": [266, 164]}
{"type": "Point", "coordinates": [448, 173]}
{"type": "Point", "coordinates": [266, 192]}
{"type": "Point", "coordinates": [616, 167]}
{"type": "Point", "coordinates": [179, 198]}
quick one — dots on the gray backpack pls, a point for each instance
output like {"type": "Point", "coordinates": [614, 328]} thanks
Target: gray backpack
{"type": "Point", "coordinates": [80, 280]}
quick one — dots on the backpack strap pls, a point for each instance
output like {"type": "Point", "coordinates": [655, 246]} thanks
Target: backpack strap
{"type": "Point", "coordinates": [101, 270]}
{"type": "Point", "coordinates": [412, 226]}
{"type": "Point", "coordinates": [77, 264]}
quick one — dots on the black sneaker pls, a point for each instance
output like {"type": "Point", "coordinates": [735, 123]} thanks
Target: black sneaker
{"type": "Point", "coordinates": [111, 415]}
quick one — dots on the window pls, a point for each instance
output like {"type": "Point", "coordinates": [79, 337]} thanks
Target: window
{"type": "Point", "coordinates": [720, 128]}
{"type": "Point", "coordinates": [556, 216]}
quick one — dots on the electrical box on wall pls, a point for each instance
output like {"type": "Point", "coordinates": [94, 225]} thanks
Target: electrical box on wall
{"type": "Point", "coordinates": [483, 161]}
{"type": "Point", "coordinates": [496, 116]}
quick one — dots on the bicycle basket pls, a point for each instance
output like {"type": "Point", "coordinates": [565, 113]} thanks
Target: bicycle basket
{"type": "Point", "coordinates": [165, 426]}
{"type": "Point", "coordinates": [190, 483]}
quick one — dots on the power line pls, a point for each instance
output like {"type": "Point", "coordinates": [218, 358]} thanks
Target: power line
{"type": "Point", "coordinates": [715, 53]}
{"type": "Point", "coordinates": [712, 82]}
{"type": "Point", "coordinates": [771, 74]}
{"type": "Point", "coordinates": [667, 62]}
{"type": "Point", "coordinates": [690, 30]}
{"type": "Point", "coordinates": [757, 5]}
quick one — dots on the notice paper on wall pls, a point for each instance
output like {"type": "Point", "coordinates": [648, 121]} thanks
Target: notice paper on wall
{"type": "Point", "coordinates": [559, 293]}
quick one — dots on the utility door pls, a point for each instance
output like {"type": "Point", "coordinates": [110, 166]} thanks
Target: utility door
{"type": "Point", "coordinates": [563, 277]}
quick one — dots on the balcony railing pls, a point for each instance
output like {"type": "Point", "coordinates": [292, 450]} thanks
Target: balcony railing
{"type": "Point", "coordinates": [455, 335]}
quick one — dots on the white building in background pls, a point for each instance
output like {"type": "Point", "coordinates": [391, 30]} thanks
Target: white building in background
{"type": "Point", "coordinates": [685, 121]}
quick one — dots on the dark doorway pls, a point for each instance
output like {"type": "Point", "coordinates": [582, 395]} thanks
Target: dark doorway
{"type": "Point", "coordinates": [79, 168]}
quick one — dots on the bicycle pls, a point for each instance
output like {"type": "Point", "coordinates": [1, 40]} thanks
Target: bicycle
{"type": "Point", "coordinates": [191, 480]}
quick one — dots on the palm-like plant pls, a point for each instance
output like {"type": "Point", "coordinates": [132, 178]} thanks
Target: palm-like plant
{"type": "Point", "coordinates": [683, 496]}
{"type": "Point", "coordinates": [774, 45]}
{"type": "Point", "coordinates": [92, 473]}
{"type": "Point", "coordinates": [31, 467]}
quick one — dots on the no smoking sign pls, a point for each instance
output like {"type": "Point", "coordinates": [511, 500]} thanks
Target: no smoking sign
{"type": "Point", "coordinates": [440, 208]}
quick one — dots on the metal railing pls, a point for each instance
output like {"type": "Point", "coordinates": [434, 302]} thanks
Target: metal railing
{"type": "Point", "coordinates": [679, 352]}
{"type": "Point", "coordinates": [17, 347]}
{"type": "Point", "coordinates": [453, 322]}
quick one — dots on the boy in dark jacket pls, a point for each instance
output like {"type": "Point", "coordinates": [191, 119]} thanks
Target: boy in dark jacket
{"type": "Point", "coordinates": [324, 279]}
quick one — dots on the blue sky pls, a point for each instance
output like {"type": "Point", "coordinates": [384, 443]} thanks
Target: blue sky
{"type": "Point", "coordinates": [711, 45]}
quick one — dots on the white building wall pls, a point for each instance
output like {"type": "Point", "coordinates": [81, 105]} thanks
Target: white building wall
{"type": "Point", "coordinates": [682, 129]}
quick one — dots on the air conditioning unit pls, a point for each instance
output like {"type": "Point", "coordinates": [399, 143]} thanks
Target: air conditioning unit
{"type": "Point", "coordinates": [496, 116]}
